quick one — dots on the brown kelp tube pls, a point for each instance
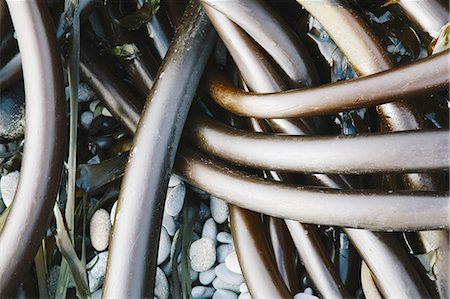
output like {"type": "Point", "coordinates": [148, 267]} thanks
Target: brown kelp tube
{"type": "Point", "coordinates": [42, 162]}
{"type": "Point", "coordinates": [131, 269]}
{"type": "Point", "coordinates": [418, 78]}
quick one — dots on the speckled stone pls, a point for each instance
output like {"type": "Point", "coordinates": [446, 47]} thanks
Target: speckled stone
{"type": "Point", "coordinates": [100, 228]}
{"type": "Point", "coordinates": [161, 285]}
{"type": "Point", "coordinates": [96, 270]}
{"type": "Point", "coordinates": [202, 254]}
{"type": "Point", "coordinates": [219, 209]}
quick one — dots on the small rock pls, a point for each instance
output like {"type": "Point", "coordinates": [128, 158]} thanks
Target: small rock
{"type": "Point", "coordinates": [200, 292]}
{"type": "Point", "coordinates": [96, 270]}
{"type": "Point", "coordinates": [12, 117]}
{"type": "Point", "coordinates": [97, 294]}
{"type": "Point", "coordinates": [169, 224]}
{"type": "Point", "coordinates": [245, 295]}
{"type": "Point", "coordinates": [218, 283]}
{"type": "Point", "coordinates": [223, 251]}
{"type": "Point", "coordinates": [207, 277]}
{"type": "Point", "coordinates": [86, 119]}
{"type": "Point", "coordinates": [93, 105]}
{"type": "Point", "coordinates": [85, 93]}
{"type": "Point", "coordinates": [308, 291]}
{"type": "Point", "coordinates": [224, 294]}
{"type": "Point", "coordinates": [100, 228]}
{"type": "Point", "coordinates": [167, 268]}
{"type": "Point", "coordinates": [232, 263]}
{"type": "Point", "coordinates": [53, 280]}
{"type": "Point", "coordinates": [228, 276]}
{"type": "Point", "coordinates": [174, 180]}
{"type": "Point", "coordinates": [8, 186]}
{"type": "Point", "coordinates": [175, 200]}
{"type": "Point", "coordinates": [209, 229]}
{"type": "Point", "coordinates": [105, 112]}
{"type": "Point", "coordinates": [219, 209]}
{"type": "Point", "coordinates": [304, 296]}
{"type": "Point", "coordinates": [113, 213]}
{"type": "Point", "coordinates": [224, 237]}
{"type": "Point", "coordinates": [202, 254]}
{"type": "Point", "coordinates": [164, 246]}
{"type": "Point", "coordinates": [161, 285]}
{"type": "Point", "coordinates": [243, 288]}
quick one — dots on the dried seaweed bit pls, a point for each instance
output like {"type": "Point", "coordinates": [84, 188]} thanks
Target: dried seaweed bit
{"type": "Point", "coordinates": [126, 51]}
{"type": "Point", "coordinates": [442, 41]}
{"type": "Point", "coordinates": [428, 260]}
{"type": "Point", "coordinates": [143, 15]}
{"type": "Point", "coordinates": [390, 2]}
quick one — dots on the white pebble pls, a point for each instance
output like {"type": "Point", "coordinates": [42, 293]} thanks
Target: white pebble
{"type": "Point", "coordinates": [228, 276]}
{"type": "Point", "coordinates": [200, 292]}
{"type": "Point", "coordinates": [161, 285]}
{"type": "Point", "coordinates": [308, 291]}
{"type": "Point", "coordinates": [224, 237]}
{"type": "Point", "coordinates": [96, 270]}
{"type": "Point", "coordinates": [113, 213]}
{"type": "Point", "coordinates": [245, 295]}
{"type": "Point", "coordinates": [93, 105]}
{"type": "Point", "coordinates": [86, 119]}
{"type": "Point", "coordinates": [100, 228]}
{"type": "Point", "coordinates": [167, 268]}
{"type": "Point", "coordinates": [304, 296]}
{"type": "Point", "coordinates": [175, 200]}
{"type": "Point", "coordinates": [8, 186]}
{"type": "Point", "coordinates": [202, 254]}
{"type": "Point", "coordinates": [105, 112]}
{"type": "Point", "coordinates": [218, 283]}
{"type": "Point", "coordinates": [169, 224]}
{"type": "Point", "coordinates": [243, 288]}
{"type": "Point", "coordinates": [232, 263]}
{"type": "Point", "coordinates": [174, 180]}
{"type": "Point", "coordinates": [223, 251]}
{"type": "Point", "coordinates": [164, 246]}
{"type": "Point", "coordinates": [219, 209]}
{"type": "Point", "coordinates": [209, 229]}
{"type": "Point", "coordinates": [207, 277]}
{"type": "Point", "coordinates": [224, 294]}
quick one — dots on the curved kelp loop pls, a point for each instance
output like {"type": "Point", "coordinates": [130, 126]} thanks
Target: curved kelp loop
{"type": "Point", "coordinates": [131, 269]}
{"type": "Point", "coordinates": [44, 146]}
{"type": "Point", "coordinates": [412, 151]}
{"type": "Point", "coordinates": [373, 210]}
{"type": "Point", "coordinates": [418, 78]}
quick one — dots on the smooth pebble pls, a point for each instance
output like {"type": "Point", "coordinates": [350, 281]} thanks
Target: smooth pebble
{"type": "Point", "coordinates": [243, 288]}
{"type": "Point", "coordinates": [224, 237]}
{"type": "Point", "coordinates": [86, 119]}
{"type": "Point", "coordinates": [219, 209]}
{"type": "Point", "coordinates": [100, 228]}
{"type": "Point", "coordinates": [223, 251]}
{"type": "Point", "coordinates": [174, 180]}
{"type": "Point", "coordinates": [308, 291]}
{"type": "Point", "coordinates": [202, 254]}
{"type": "Point", "coordinates": [245, 295]}
{"type": "Point", "coordinates": [200, 292]}
{"type": "Point", "coordinates": [228, 276]}
{"type": "Point", "coordinates": [209, 229]}
{"type": "Point", "coordinates": [164, 246]}
{"type": "Point", "coordinates": [232, 263]}
{"type": "Point", "coordinates": [161, 285]}
{"type": "Point", "coordinates": [175, 200]}
{"type": "Point", "coordinates": [207, 277]}
{"type": "Point", "coordinates": [218, 283]}
{"type": "Point", "coordinates": [224, 294]}
{"type": "Point", "coordinates": [8, 186]}
{"type": "Point", "coordinates": [97, 294]}
{"type": "Point", "coordinates": [169, 224]}
{"type": "Point", "coordinates": [113, 213]}
{"type": "Point", "coordinates": [96, 270]}
{"type": "Point", "coordinates": [304, 296]}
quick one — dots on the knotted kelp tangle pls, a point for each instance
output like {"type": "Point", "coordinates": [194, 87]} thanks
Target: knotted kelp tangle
{"type": "Point", "coordinates": [224, 149]}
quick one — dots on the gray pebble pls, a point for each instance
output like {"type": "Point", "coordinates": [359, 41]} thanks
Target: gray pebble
{"type": "Point", "coordinates": [304, 296]}
{"type": "Point", "coordinates": [8, 186]}
{"type": "Point", "coordinates": [169, 224]}
{"type": "Point", "coordinates": [218, 283]}
{"type": "Point", "coordinates": [202, 254]}
{"type": "Point", "coordinates": [232, 263]}
{"type": "Point", "coordinates": [100, 228]}
{"type": "Point", "coordinates": [204, 212]}
{"type": "Point", "coordinates": [174, 180]}
{"type": "Point", "coordinates": [224, 294]}
{"type": "Point", "coordinates": [96, 270]}
{"type": "Point", "coordinates": [223, 251]}
{"type": "Point", "coordinates": [245, 295]}
{"type": "Point", "coordinates": [308, 291]}
{"type": "Point", "coordinates": [161, 285]}
{"type": "Point", "coordinates": [86, 119]}
{"type": "Point", "coordinates": [207, 277]}
{"type": "Point", "coordinates": [224, 237]}
{"type": "Point", "coordinates": [209, 229]}
{"type": "Point", "coordinates": [175, 200]}
{"type": "Point", "coordinates": [97, 294]}
{"type": "Point", "coordinates": [200, 292]}
{"type": "Point", "coordinates": [167, 268]}
{"type": "Point", "coordinates": [164, 246]}
{"type": "Point", "coordinates": [243, 288]}
{"type": "Point", "coordinates": [219, 209]}
{"type": "Point", "coordinates": [228, 276]}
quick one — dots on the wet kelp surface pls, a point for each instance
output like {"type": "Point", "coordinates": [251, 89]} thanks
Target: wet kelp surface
{"type": "Point", "coordinates": [224, 149]}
